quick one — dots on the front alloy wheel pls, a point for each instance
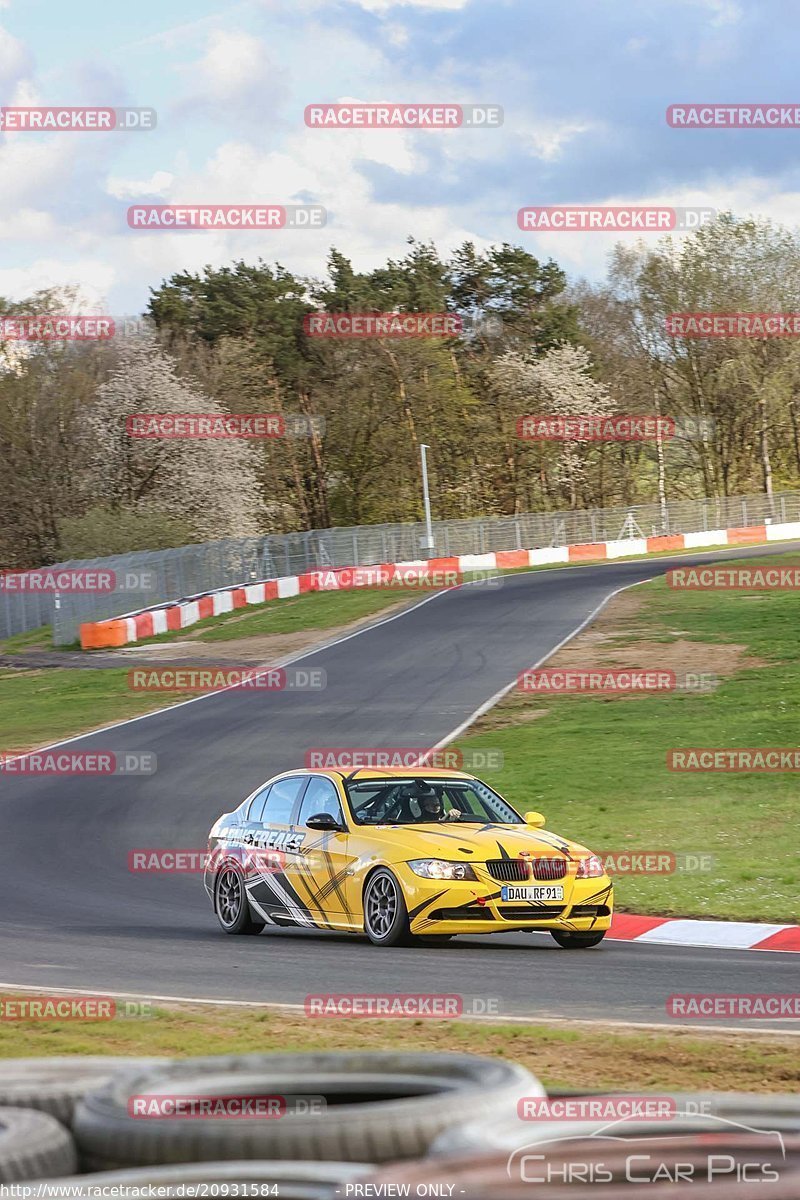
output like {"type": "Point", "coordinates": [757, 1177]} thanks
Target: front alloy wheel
{"type": "Point", "coordinates": [385, 912]}
{"type": "Point", "coordinates": [233, 910]}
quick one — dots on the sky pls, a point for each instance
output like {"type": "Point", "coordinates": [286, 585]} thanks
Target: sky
{"type": "Point", "coordinates": [584, 85]}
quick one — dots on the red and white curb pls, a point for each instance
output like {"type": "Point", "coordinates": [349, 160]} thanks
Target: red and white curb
{"type": "Point", "coordinates": [718, 935]}
{"type": "Point", "coordinates": [146, 623]}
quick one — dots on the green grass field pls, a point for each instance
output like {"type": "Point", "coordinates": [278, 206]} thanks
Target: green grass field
{"type": "Point", "coordinates": [42, 706]}
{"type": "Point", "coordinates": [586, 1058]}
{"type": "Point", "coordinates": [596, 766]}
{"type": "Point", "coordinates": [315, 610]}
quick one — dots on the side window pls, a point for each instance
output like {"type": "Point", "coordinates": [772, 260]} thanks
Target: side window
{"type": "Point", "coordinates": [257, 804]}
{"type": "Point", "coordinates": [320, 797]}
{"type": "Point", "coordinates": [280, 801]}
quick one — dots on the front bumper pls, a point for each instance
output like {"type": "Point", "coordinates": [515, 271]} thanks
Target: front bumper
{"type": "Point", "coordinates": [451, 907]}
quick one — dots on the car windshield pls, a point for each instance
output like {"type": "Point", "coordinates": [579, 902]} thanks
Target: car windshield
{"type": "Point", "coordinates": [428, 802]}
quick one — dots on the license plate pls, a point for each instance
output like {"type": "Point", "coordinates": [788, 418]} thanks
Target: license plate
{"type": "Point", "coordinates": [549, 891]}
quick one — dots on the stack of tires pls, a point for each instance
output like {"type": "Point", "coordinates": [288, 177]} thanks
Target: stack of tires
{"type": "Point", "coordinates": [387, 1124]}
{"type": "Point", "coordinates": [72, 1121]}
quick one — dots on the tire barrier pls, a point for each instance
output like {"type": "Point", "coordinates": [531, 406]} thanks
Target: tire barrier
{"type": "Point", "coordinates": [695, 1113]}
{"type": "Point", "coordinates": [712, 1167]}
{"type": "Point", "coordinates": [429, 1124]}
{"type": "Point", "coordinates": [55, 1085]}
{"type": "Point", "coordinates": [372, 1107]}
{"type": "Point", "coordinates": [33, 1145]}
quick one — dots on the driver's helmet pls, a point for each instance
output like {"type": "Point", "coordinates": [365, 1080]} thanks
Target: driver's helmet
{"type": "Point", "coordinates": [430, 801]}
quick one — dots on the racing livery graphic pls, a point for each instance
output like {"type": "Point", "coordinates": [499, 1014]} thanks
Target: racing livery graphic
{"type": "Point", "coordinates": [400, 855]}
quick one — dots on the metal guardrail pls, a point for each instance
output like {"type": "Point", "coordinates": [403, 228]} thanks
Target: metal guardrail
{"type": "Point", "coordinates": [155, 577]}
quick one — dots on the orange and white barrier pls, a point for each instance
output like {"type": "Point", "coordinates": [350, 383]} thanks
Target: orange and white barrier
{"type": "Point", "coordinates": [134, 627]}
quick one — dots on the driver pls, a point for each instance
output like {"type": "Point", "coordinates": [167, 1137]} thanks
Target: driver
{"type": "Point", "coordinates": [430, 802]}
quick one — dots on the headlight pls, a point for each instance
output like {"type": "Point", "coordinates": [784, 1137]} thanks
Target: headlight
{"type": "Point", "coordinates": [590, 867]}
{"type": "Point", "coordinates": [437, 868]}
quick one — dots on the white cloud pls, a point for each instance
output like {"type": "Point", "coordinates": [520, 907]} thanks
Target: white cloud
{"type": "Point", "coordinates": [236, 79]}
{"type": "Point", "coordinates": [383, 5]}
{"type": "Point", "coordinates": [34, 171]}
{"type": "Point", "coordinates": [158, 184]}
{"type": "Point", "coordinates": [28, 224]}
{"type": "Point", "coordinates": [586, 253]}
{"type": "Point", "coordinates": [233, 63]}
{"type": "Point", "coordinates": [14, 58]}
{"type": "Point", "coordinates": [95, 278]}
{"type": "Point", "coordinates": [636, 45]}
{"type": "Point", "coordinates": [548, 138]}
{"type": "Point", "coordinates": [725, 12]}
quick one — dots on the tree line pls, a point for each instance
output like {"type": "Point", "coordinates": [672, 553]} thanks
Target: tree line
{"type": "Point", "coordinates": [236, 339]}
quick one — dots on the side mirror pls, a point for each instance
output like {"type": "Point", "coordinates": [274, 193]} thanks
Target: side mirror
{"type": "Point", "coordinates": [534, 819]}
{"type": "Point", "coordinates": [324, 822]}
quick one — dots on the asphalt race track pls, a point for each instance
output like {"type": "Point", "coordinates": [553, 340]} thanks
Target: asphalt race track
{"type": "Point", "coordinates": [73, 915]}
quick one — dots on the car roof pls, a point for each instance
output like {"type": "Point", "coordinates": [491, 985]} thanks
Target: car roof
{"type": "Point", "coordinates": [366, 773]}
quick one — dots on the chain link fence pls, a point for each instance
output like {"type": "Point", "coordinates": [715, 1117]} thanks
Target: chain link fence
{"type": "Point", "coordinates": [153, 578]}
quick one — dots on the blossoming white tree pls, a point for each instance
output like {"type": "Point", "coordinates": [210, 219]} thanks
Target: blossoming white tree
{"type": "Point", "coordinates": [559, 384]}
{"type": "Point", "coordinates": [211, 484]}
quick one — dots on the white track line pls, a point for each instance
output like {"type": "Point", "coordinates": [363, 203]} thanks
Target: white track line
{"type": "Point", "coordinates": [494, 1019]}
{"type": "Point", "coordinates": [479, 712]}
{"type": "Point", "coordinates": [157, 712]}
{"type": "Point", "coordinates": [498, 696]}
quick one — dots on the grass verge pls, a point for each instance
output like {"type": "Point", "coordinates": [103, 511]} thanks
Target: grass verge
{"type": "Point", "coordinates": [596, 764]}
{"type": "Point", "coordinates": [41, 706]}
{"type": "Point", "coordinates": [565, 1058]}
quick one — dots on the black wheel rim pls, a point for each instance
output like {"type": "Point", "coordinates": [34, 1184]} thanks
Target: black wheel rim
{"type": "Point", "coordinates": [229, 897]}
{"type": "Point", "coordinates": [381, 907]}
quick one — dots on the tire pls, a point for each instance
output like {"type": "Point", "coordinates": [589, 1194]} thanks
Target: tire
{"type": "Point", "coordinates": [294, 1180]}
{"type": "Point", "coordinates": [473, 1176]}
{"type": "Point", "coordinates": [385, 910]}
{"type": "Point", "coordinates": [577, 941]}
{"type": "Point", "coordinates": [380, 1106]}
{"type": "Point", "coordinates": [33, 1145]}
{"type": "Point", "coordinates": [55, 1085]}
{"type": "Point", "coordinates": [504, 1131]}
{"type": "Point", "coordinates": [230, 897]}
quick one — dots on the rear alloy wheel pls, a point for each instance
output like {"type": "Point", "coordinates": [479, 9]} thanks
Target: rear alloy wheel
{"type": "Point", "coordinates": [577, 941]}
{"type": "Point", "coordinates": [385, 912]}
{"type": "Point", "coordinates": [230, 902]}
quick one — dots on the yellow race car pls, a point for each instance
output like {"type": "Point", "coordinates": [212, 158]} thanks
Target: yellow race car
{"type": "Point", "coordinates": [400, 855]}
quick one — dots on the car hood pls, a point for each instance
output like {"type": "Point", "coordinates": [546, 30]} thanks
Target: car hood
{"type": "Point", "coordinates": [477, 843]}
